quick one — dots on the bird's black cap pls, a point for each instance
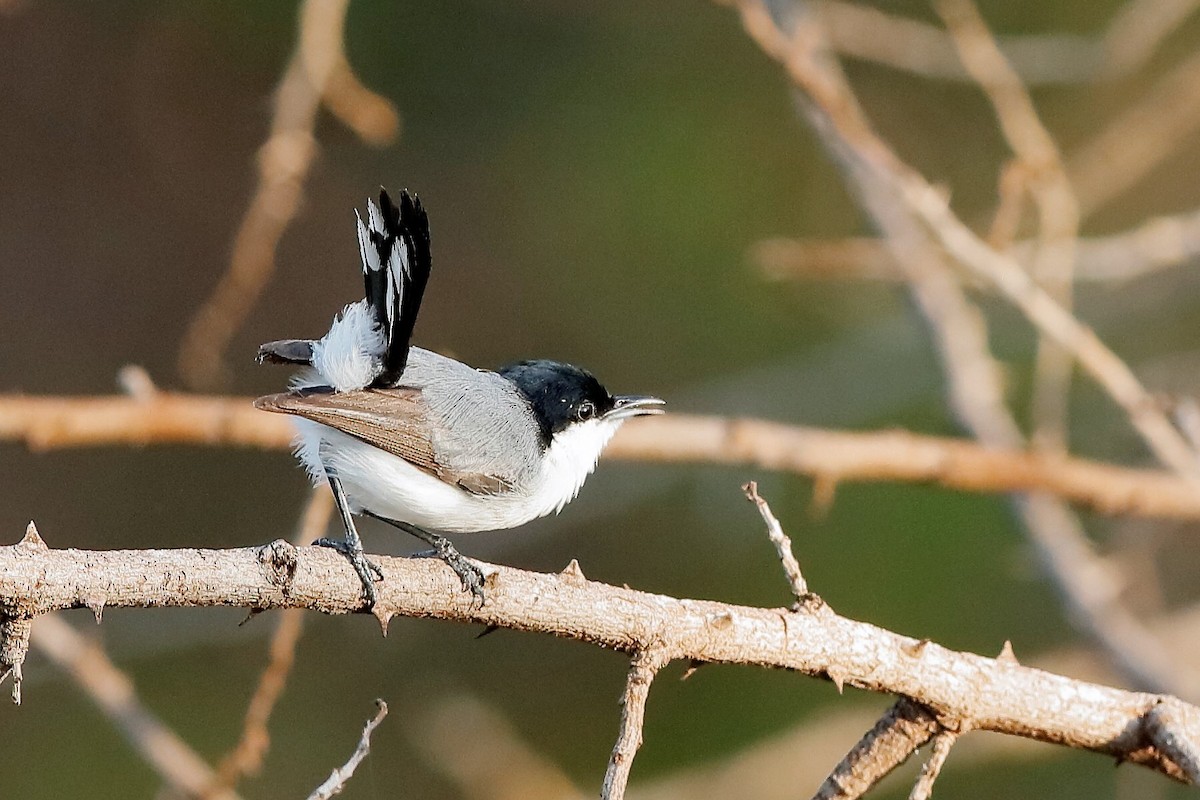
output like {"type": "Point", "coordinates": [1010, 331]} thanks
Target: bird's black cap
{"type": "Point", "coordinates": [559, 394]}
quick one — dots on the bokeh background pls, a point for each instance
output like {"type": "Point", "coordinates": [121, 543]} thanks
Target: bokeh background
{"type": "Point", "coordinates": [595, 176]}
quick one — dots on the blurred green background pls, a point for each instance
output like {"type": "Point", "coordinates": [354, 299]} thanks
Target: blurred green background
{"type": "Point", "coordinates": [594, 175]}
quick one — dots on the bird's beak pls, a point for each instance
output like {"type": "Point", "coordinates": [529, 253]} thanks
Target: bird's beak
{"type": "Point", "coordinates": [634, 405]}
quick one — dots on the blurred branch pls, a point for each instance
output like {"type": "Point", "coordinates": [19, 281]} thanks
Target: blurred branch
{"type": "Point", "coordinates": [874, 161]}
{"type": "Point", "coordinates": [336, 781]}
{"type": "Point", "coordinates": [113, 692]}
{"type": "Point", "coordinates": [317, 73]}
{"type": "Point", "coordinates": [1039, 160]}
{"type": "Point", "coordinates": [247, 756]}
{"type": "Point", "coordinates": [984, 693]}
{"type": "Point", "coordinates": [1145, 134]}
{"type": "Point", "coordinates": [871, 34]}
{"type": "Point", "coordinates": [1153, 246]}
{"type": "Point", "coordinates": [47, 423]}
{"type": "Point", "coordinates": [922, 232]}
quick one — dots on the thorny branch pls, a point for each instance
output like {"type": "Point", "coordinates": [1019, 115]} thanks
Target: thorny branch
{"type": "Point", "coordinates": [984, 693]}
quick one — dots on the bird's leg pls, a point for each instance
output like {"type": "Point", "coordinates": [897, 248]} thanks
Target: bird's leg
{"type": "Point", "coordinates": [351, 547]}
{"type": "Point", "coordinates": [471, 576]}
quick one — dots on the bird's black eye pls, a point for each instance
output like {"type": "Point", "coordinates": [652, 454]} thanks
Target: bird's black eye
{"type": "Point", "coordinates": [587, 410]}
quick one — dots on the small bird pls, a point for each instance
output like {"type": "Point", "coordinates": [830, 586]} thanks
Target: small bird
{"type": "Point", "coordinates": [424, 442]}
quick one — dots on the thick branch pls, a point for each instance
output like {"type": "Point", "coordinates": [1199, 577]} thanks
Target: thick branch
{"type": "Point", "coordinates": [45, 423]}
{"type": "Point", "coordinates": [984, 693]}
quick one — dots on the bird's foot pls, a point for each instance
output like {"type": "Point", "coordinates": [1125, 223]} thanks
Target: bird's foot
{"type": "Point", "coordinates": [468, 571]}
{"type": "Point", "coordinates": [368, 572]}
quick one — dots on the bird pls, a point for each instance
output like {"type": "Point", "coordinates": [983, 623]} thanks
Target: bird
{"type": "Point", "coordinates": [424, 442]}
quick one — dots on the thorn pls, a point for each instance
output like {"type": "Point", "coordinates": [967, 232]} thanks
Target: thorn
{"type": "Point", "coordinates": [384, 617]}
{"type": "Point", "coordinates": [915, 650]}
{"type": "Point", "coordinates": [136, 382]}
{"type": "Point", "coordinates": [32, 539]}
{"type": "Point", "coordinates": [97, 608]}
{"type": "Point", "coordinates": [487, 630]}
{"type": "Point", "coordinates": [721, 621]}
{"type": "Point", "coordinates": [1006, 653]}
{"type": "Point", "coordinates": [839, 680]}
{"type": "Point", "coordinates": [251, 614]}
{"type": "Point", "coordinates": [15, 671]}
{"type": "Point", "coordinates": [693, 665]}
{"type": "Point", "coordinates": [574, 574]}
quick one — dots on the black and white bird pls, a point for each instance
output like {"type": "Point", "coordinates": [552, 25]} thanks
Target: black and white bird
{"type": "Point", "coordinates": [425, 442]}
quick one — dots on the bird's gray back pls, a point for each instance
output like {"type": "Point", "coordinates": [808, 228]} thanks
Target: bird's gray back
{"type": "Point", "coordinates": [483, 422]}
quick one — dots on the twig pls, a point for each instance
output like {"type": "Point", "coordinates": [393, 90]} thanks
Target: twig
{"type": "Point", "coordinates": [1153, 246]}
{"type": "Point", "coordinates": [783, 545]}
{"type": "Point", "coordinates": [895, 737]}
{"type": "Point", "coordinates": [318, 70]}
{"type": "Point", "coordinates": [873, 160]}
{"type": "Point", "coordinates": [645, 665]}
{"type": "Point", "coordinates": [906, 44]}
{"type": "Point", "coordinates": [897, 197]}
{"type": "Point", "coordinates": [1054, 256]}
{"type": "Point", "coordinates": [985, 693]}
{"type": "Point", "coordinates": [113, 692]}
{"type": "Point", "coordinates": [1162, 729]}
{"type": "Point", "coordinates": [1139, 139]}
{"type": "Point", "coordinates": [872, 34]}
{"type": "Point", "coordinates": [247, 756]}
{"type": "Point", "coordinates": [1138, 28]}
{"type": "Point", "coordinates": [942, 743]}
{"type": "Point", "coordinates": [336, 781]}
{"type": "Point", "coordinates": [47, 423]}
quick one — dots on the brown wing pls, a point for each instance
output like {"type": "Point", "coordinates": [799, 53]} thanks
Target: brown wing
{"type": "Point", "coordinates": [396, 421]}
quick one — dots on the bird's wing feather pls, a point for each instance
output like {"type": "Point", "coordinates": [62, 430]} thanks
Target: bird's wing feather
{"type": "Point", "coordinates": [397, 421]}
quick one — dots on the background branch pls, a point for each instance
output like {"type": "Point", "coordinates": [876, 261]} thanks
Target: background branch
{"type": "Point", "coordinates": [48, 423]}
{"type": "Point", "coordinates": [317, 72]}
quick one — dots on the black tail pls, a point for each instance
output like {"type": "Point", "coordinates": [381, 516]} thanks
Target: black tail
{"type": "Point", "coordinates": [396, 264]}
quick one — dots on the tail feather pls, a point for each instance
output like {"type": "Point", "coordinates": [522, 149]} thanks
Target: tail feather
{"type": "Point", "coordinates": [394, 245]}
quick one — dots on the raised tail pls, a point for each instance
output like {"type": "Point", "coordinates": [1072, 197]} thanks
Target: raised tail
{"type": "Point", "coordinates": [394, 244]}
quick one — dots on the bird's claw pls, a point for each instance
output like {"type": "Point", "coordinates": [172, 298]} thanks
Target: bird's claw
{"type": "Point", "coordinates": [468, 572]}
{"type": "Point", "coordinates": [368, 572]}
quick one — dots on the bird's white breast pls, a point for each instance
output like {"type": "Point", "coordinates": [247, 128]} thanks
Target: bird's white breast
{"type": "Point", "coordinates": [389, 486]}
